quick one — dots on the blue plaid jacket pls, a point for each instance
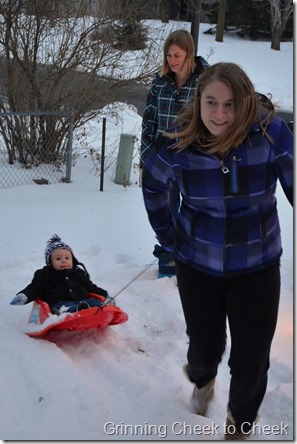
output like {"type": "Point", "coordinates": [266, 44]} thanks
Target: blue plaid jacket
{"type": "Point", "coordinates": [228, 220]}
{"type": "Point", "coordinates": [163, 104]}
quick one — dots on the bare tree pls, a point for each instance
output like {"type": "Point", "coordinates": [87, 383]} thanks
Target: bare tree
{"type": "Point", "coordinates": [221, 21]}
{"type": "Point", "coordinates": [51, 61]}
{"type": "Point", "coordinates": [195, 22]}
{"type": "Point", "coordinates": [280, 12]}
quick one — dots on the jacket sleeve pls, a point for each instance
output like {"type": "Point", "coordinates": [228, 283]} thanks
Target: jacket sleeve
{"type": "Point", "coordinates": [201, 64]}
{"type": "Point", "coordinates": [149, 124]}
{"type": "Point", "coordinates": [92, 288]}
{"type": "Point", "coordinates": [36, 288]}
{"type": "Point", "coordinates": [284, 159]}
{"type": "Point", "coordinates": [156, 184]}
{"type": "Point", "coordinates": [97, 290]}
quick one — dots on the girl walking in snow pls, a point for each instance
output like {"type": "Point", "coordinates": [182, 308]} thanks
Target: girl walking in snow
{"type": "Point", "coordinates": [61, 282]}
{"type": "Point", "coordinates": [227, 152]}
{"type": "Point", "coordinates": [170, 91]}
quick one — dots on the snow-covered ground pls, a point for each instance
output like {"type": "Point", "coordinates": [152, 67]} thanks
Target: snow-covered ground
{"type": "Point", "coordinates": [125, 382]}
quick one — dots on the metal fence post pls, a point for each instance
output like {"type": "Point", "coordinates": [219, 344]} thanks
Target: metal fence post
{"type": "Point", "coordinates": [124, 161]}
{"type": "Point", "coordinates": [69, 150]}
{"type": "Point", "coordinates": [103, 153]}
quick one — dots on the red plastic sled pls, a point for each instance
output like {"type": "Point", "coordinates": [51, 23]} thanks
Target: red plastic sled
{"type": "Point", "coordinates": [42, 321]}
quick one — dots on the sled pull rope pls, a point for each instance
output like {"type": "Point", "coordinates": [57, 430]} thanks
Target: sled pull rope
{"type": "Point", "coordinates": [130, 282]}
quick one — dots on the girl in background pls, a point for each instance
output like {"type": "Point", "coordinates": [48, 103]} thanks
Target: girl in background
{"type": "Point", "coordinates": [172, 88]}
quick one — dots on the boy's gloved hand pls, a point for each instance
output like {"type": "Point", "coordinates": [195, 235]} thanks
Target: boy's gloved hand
{"type": "Point", "coordinates": [19, 299]}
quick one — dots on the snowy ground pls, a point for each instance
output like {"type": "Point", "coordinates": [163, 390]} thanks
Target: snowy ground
{"type": "Point", "coordinates": [123, 382]}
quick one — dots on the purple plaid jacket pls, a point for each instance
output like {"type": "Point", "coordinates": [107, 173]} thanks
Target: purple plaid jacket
{"type": "Point", "coordinates": [228, 220]}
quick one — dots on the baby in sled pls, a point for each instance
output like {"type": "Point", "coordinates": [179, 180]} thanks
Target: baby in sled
{"type": "Point", "coordinates": [62, 283]}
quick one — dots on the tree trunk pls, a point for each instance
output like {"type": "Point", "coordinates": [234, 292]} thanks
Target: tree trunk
{"type": "Point", "coordinates": [281, 10]}
{"type": "Point", "coordinates": [276, 34]}
{"type": "Point", "coordinates": [221, 21]}
{"type": "Point", "coordinates": [196, 8]}
{"type": "Point", "coordinates": [164, 12]}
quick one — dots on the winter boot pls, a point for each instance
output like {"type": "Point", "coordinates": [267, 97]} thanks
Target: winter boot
{"type": "Point", "coordinates": [201, 398]}
{"type": "Point", "coordinates": [166, 262]}
{"type": "Point", "coordinates": [82, 305]}
{"type": "Point", "coordinates": [167, 270]}
{"type": "Point", "coordinates": [231, 432]}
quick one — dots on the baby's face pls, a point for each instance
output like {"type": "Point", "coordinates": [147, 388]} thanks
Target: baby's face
{"type": "Point", "coordinates": [62, 259]}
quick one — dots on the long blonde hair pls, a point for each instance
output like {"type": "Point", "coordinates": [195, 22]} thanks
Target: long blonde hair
{"type": "Point", "coordinates": [248, 109]}
{"type": "Point", "coordinates": [183, 40]}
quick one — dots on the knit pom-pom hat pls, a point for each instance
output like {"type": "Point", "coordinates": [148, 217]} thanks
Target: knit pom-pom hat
{"type": "Point", "coordinates": [53, 244]}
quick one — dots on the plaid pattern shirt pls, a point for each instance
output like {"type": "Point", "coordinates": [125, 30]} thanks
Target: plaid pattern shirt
{"type": "Point", "coordinates": [228, 220]}
{"type": "Point", "coordinates": [163, 104]}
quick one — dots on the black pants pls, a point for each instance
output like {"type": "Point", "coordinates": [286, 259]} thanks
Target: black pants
{"type": "Point", "coordinates": [250, 303]}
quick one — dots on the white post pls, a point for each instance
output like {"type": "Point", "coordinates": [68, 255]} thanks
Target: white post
{"type": "Point", "coordinates": [124, 161]}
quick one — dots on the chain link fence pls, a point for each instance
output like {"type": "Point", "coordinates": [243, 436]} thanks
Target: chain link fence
{"type": "Point", "coordinates": [35, 148]}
